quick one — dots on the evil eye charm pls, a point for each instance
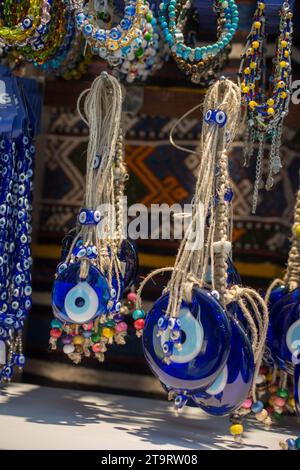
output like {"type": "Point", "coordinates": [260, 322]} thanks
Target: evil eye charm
{"type": "Point", "coordinates": [297, 388]}
{"type": "Point", "coordinates": [27, 23]}
{"type": "Point", "coordinates": [129, 256]}
{"type": "Point", "coordinates": [215, 116]}
{"type": "Point", "coordinates": [115, 34]}
{"type": "Point", "coordinates": [290, 349]}
{"type": "Point", "coordinates": [116, 293]}
{"type": "Point", "coordinates": [277, 324]}
{"type": "Point", "coordinates": [204, 348]}
{"type": "Point", "coordinates": [79, 301]}
{"type": "Point", "coordinates": [89, 217]}
{"type": "Point", "coordinates": [231, 387]}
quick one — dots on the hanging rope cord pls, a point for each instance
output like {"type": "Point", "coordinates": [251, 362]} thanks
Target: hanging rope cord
{"type": "Point", "coordinates": [102, 111]}
{"type": "Point", "coordinates": [192, 259]}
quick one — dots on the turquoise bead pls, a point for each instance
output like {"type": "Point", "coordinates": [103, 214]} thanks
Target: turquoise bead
{"type": "Point", "coordinates": [137, 314]}
{"type": "Point", "coordinates": [297, 443]}
{"type": "Point", "coordinates": [56, 324]}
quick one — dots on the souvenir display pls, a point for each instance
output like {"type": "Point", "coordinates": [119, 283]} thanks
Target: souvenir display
{"type": "Point", "coordinates": [19, 122]}
{"type": "Point", "coordinates": [265, 111]}
{"type": "Point", "coordinates": [192, 341]}
{"type": "Point", "coordinates": [200, 64]}
{"type": "Point", "coordinates": [98, 264]}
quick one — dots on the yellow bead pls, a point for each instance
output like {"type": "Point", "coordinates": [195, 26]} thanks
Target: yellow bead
{"type": "Point", "coordinates": [252, 65]}
{"type": "Point", "coordinates": [292, 402]}
{"type": "Point", "coordinates": [255, 44]}
{"type": "Point", "coordinates": [283, 64]}
{"type": "Point", "coordinates": [283, 95]}
{"type": "Point", "coordinates": [270, 102]}
{"type": "Point", "coordinates": [269, 377]}
{"type": "Point", "coordinates": [108, 332]}
{"type": "Point", "coordinates": [245, 89]}
{"type": "Point", "coordinates": [290, 15]}
{"type": "Point", "coordinates": [251, 86]}
{"type": "Point", "coordinates": [78, 340]}
{"type": "Point", "coordinates": [247, 71]}
{"type": "Point", "coordinates": [252, 104]}
{"type": "Point", "coordinates": [283, 43]}
{"type": "Point", "coordinates": [236, 429]}
{"type": "Point", "coordinates": [286, 54]}
{"type": "Point", "coordinates": [271, 111]}
{"type": "Point", "coordinates": [296, 230]}
{"type": "Point", "coordinates": [250, 51]}
{"type": "Point", "coordinates": [287, 35]}
{"type": "Point", "coordinates": [280, 84]}
{"type": "Point", "coordinates": [261, 6]}
{"type": "Point", "coordinates": [257, 24]}
{"type": "Point", "coordinates": [285, 74]}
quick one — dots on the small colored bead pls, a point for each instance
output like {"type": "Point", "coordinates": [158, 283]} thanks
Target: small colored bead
{"type": "Point", "coordinates": [296, 230]}
{"type": "Point", "coordinates": [139, 324]}
{"type": "Point", "coordinates": [132, 297]}
{"type": "Point", "coordinates": [283, 393]}
{"type": "Point", "coordinates": [255, 44]}
{"type": "Point", "coordinates": [284, 44]}
{"type": "Point", "coordinates": [108, 333]}
{"type": "Point", "coordinates": [257, 24]}
{"type": "Point", "coordinates": [55, 333]}
{"type": "Point", "coordinates": [97, 348]}
{"type": "Point", "coordinates": [292, 402]}
{"type": "Point", "coordinates": [96, 337]}
{"type": "Point", "coordinates": [290, 444]}
{"type": "Point", "coordinates": [137, 314]}
{"type": "Point", "coordinates": [120, 327]}
{"type": "Point", "coordinates": [78, 340]}
{"type": "Point", "coordinates": [247, 404]}
{"type": "Point", "coordinates": [68, 348]}
{"type": "Point", "coordinates": [67, 339]}
{"type": "Point", "coordinates": [297, 443]}
{"type": "Point", "coordinates": [270, 102]}
{"type": "Point", "coordinates": [278, 401]}
{"type": "Point", "coordinates": [88, 326]}
{"type": "Point", "coordinates": [261, 416]}
{"type": "Point", "coordinates": [56, 324]}
{"type": "Point", "coordinates": [273, 388]}
{"type": "Point", "coordinates": [257, 407]}
{"type": "Point", "coordinates": [252, 104]}
{"type": "Point", "coordinates": [271, 111]}
{"type": "Point", "coordinates": [236, 429]}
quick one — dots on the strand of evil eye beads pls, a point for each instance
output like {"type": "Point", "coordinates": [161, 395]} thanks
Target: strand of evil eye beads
{"type": "Point", "coordinates": [265, 114]}
{"type": "Point", "coordinates": [15, 253]}
{"type": "Point", "coordinates": [23, 30]}
{"type": "Point", "coordinates": [142, 57]}
{"type": "Point", "coordinates": [198, 61]}
{"type": "Point", "coordinates": [117, 37]}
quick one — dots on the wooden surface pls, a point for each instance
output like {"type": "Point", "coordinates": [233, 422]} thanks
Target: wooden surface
{"type": "Point", "coordinates": [34, 417]}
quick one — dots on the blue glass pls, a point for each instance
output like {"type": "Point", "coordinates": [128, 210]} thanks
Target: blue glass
{"type": "Point", "coordinates": [290, 339]}
{"type": "Point", "coordinates": [79, 301]}
{"type": "Point", "coordinates": [129, 255]}
{"type": "Point", "coordinates": [116, 294]}
{"type": "Point", "coordinates": [297, 388]}
{"type": "Point", "coordinates": [276, 325]}
{"type": "Point", "coordinates": [277, 294]}
{"type": "Point", "coordinates": [205, 330]}
{"type": "Point", "coordinates": [231, 387]}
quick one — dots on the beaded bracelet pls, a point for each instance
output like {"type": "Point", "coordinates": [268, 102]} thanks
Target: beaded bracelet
{"type": "Point", "coordinates": [265, 115]}
{"type": "Point", "coordinates": [23, 30]}
{"type": "Point", "coordinates": [172, 17]}
{"type": "Point", "coordinates": [120, 35]}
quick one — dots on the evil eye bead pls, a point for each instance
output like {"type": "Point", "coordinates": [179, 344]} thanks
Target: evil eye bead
{"type": "Point", "coordinates": [174, 324]}
{"type": "Point", "coordinates": [89, 217]}
{"type": "Point", "coordinates": [208, 116]}
{"type": "Point", "coordinates": [115, 34]}
{"type": "Point", "coordinates": [82, 217]}
{"type": "Point", "coordinates": [205, 343]}
{"type": "Point", "coordinates": [231, 387]}
{"type": "Point", "coordinates": [97, 216]}
{"type": "Point", "coordinates": [27, 23]}
{"type": "Point", "coordinates": [163, 323]}
{"type": "Point", "coordinates": [220, 118]}
{"type": "Point", "coordinates": [113, 293]}
{"type": "Point", "coordinates": [180, 401]}
{"type": "Point", "coordinates": [20, 360]}
{"type": "Point", "coordinates": [125, 24]}
{"type": "Point", "coordinates": [96, 162]}
{"type": "Point", "coordinates": [79, 301]}
{"type": "Point", "coordinates": [87, 30]}
{"type": "Point", "coordinates": [61, 267]}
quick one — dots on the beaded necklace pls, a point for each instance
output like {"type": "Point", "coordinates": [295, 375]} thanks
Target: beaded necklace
{"type": "Point", "coordinates": [265, 114]}
{"type": "Point", "coordinates": [196, 61]}
{"type": "Point", "coordinates": [23, 30]}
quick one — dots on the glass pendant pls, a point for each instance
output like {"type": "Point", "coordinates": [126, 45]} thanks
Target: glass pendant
{"type": "Point", "coordinates": [297, 388]}
{"type": "Point", "coordinates": [204, 342]}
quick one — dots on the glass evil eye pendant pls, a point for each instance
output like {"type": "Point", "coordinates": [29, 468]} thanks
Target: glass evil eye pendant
{"type": "Point", "coordinates": [231, 387]}
{"type": "Point", "coordinates": [276, 325]}
{"type": "Point", "coordinates": [77, 300]}
{"type": "Point", "coordinates": [290, 344]}
{"type": "Point", "coordinates": [187, 353]}
{"type": "Point", "coordinates": [297, 388]}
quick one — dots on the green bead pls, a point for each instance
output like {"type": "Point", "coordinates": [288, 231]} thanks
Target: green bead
{"type": "Point", "coordinates": [149, 16]}
{"type": "Point", "coordinates": [110, 324]}
{"type": "Point", "coordinates": [139, 52]}
{"type": "Point", "coordinates": [148, 36]}
{"type": "Point", "coordinates": [56, 324]}
{"type": "Point", "coordinates": [282, 392]}
{"type": "Point", "coordinates": [297, 443]}
{"type": "Point", "coordinates": [276, 415]}
{"type": "Point", "coordinates": [137, 314]}
{"type": "Point", "coordinates": [96, 338]}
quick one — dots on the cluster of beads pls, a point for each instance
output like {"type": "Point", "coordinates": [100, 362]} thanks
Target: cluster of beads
{"type": "Point", "coordinates": [199, 63]}
{"type": "Point", "coordinates": [132, 52]}
{"type": "Point", "coordinates": [265, 114]}
{"type": "Point", "coordinates": [138, 315]}
{"type": "Point", "coordinates": [290, 444]}
{"type": "Point", "coordinates": [16, 166]}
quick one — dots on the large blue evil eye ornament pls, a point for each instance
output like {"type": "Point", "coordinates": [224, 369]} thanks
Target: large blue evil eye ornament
{"type": "Point", "coordinates": [231, 387]}
{"type": "Point", "coordinates": [276, 325]}
{"type": "Point", "coordinates": [128, 255]}
{"type": "Point", "coordinates": [79, 301]}
{"type": "Point", "coordinates": [205, 339]}
{"type": "Point", "coordinates": [297, 388]}
{"type": "Point", "coordinates": [290, 344]}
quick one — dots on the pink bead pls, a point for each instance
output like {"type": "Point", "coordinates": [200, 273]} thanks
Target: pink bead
{"type": "Point", "coordinates": [247, 404]}
{"type": "Point", "coordinates": [88, 326]}
{"type": "Point", "coordinates": [96, 347]}
{"type": "Point", "coordinates": [122, 326]}
{"type": "Point", "coordinates": [132, 297]}
{"type": "Point", "coordinates": [279, 401]}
